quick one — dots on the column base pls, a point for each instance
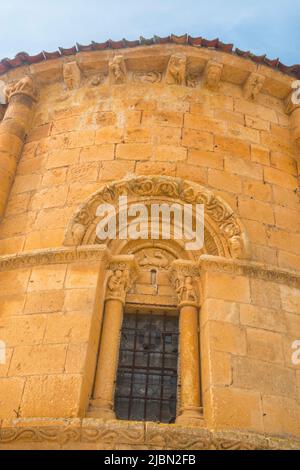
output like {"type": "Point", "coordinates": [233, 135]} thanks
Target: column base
{"type": "Point", "coordinates": [192, 416]}
{"type": "Point", "coordinates": [101, 410]}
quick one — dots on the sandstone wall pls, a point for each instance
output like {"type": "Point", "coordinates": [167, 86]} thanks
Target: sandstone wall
{"type": "Point", "coordinates": [51, 310]}
{"type": "Point", "coordinates": [85, 138]}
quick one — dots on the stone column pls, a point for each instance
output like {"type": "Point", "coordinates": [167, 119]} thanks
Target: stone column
{"type": "Point", "coordinates": [122, 272]}
{"type": "Point", "coordinates": [21, 97]}
{"type": "Point", "coordinates": [183, 276]}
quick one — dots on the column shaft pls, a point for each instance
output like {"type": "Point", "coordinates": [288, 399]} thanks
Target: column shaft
{"type": "Point", "coordinates": [13, 130]}
{"type": "Point", "coordinates": [103, 396]}
{"type": "Point", "coordinates": [190, 409]}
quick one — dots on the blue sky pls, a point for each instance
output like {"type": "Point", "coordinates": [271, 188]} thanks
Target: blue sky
{"type": "Point", "coordinates": [263, 26]}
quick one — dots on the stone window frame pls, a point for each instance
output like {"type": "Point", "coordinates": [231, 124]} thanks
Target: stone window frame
{"type": "Point", "coordinates": [122, 273]}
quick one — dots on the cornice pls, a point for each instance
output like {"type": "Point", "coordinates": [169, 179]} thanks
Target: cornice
{"type": "Point", "coordinates": [22, 58]}
{"type": "Point", "coordinates": [207, 64]}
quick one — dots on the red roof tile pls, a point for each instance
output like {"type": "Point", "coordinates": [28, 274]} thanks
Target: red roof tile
{"type": "Point", "coordinates": [23, 58]}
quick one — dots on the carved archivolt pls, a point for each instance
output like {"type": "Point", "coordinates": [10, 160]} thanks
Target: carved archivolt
{"type": "Point", "coordinates": [220, 221]}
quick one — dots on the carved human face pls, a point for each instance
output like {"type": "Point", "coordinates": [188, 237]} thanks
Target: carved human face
{"type": "Point", "coordinates": [177, 61]}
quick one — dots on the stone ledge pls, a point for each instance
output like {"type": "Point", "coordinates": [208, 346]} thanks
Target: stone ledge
{"type": "Point", "coordinates": [154, 58]}
{"type": "Point", "coordinates": [111, 435]}
{"type": "Point", "coordinates": [55, 256]}
{"type": "Point", "coordinates": [250, 269]}
{"type": "Point", "coordinates": [102, 253]}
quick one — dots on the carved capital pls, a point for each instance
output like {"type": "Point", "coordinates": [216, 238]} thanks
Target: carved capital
{"type": "Point", "coordinates": [253, 86]}
{"type": "Point", "coordinates": [176, 71]}
{"type": "Point", "coordinates": [213, 74]}
{"type": "Point", "coordinates": [117, 70]}
{"type": "Point", "coordinates": [123, 271]}
{"type": "Point", "coordinates": [72, 75]}
{"type": "Point", "coordinates": [25, 86]}
{"type": "Point", "coordinates": [183, 275]}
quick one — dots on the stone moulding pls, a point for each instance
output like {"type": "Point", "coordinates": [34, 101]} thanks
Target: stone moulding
{"type": "Point", "coordinates": [229, 229]}
{"type": "Point", "coordinates": [54, 256]}
{"type": "Point", "coordinates": [111, 434]}
{"type": "Point", "coordinates": [250, 269]}
{"type": "Point", "coordinates": [153, 61]}
{"type": "Point", "coordinates": [102, 253]}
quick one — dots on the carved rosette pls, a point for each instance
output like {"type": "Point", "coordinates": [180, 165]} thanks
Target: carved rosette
{"type": "Point", "coordinates": [167, 188]}
{"type": "Point", "coordinates": [183, 275]}
{"type": "Point", "coordinates": [122, 272]}
{"type": "Point", "coordinates": [25, 86]}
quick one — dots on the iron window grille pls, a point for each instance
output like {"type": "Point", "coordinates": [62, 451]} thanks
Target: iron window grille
{"type": "Point", "coordinates": [146, 387]}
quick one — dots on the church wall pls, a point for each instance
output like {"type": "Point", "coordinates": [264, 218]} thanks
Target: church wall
{"type": "Point", "coordinates": [51, 307]}
{"type": "Point", "coordinates": [242, 150]}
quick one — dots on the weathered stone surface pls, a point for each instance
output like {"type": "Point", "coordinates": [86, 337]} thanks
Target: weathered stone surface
{"type": "Point", "coordinates": [193, 124]}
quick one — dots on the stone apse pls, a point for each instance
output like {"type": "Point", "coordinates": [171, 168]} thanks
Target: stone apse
{"type": "Point", "coordinates": [165, 123]}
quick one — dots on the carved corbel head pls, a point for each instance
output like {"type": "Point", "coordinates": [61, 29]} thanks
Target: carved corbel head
{"type": "Point", "coordinates": [213, 74]}
{"type": "Point", "coordinates": [253, 86]}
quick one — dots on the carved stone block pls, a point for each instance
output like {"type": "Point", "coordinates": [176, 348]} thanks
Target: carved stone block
{"type": "Point", "coordinates": [72, 75]}
{"type": "Point", "coordinates": [176, 72]}
{"type": "Point", "coordinates": [117, 70]}
{"type": "Point", "coordinates": [212, 75]}
{"type": "Point", "coordinates": [253, 86]}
